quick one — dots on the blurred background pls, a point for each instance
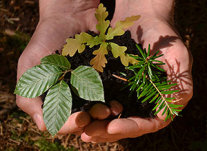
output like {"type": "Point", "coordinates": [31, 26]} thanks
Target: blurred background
{"type": "Point", "coordinates": [18, 19]}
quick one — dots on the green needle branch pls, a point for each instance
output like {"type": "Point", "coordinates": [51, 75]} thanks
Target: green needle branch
{"type": "Point", "coordinates": [151, 84]}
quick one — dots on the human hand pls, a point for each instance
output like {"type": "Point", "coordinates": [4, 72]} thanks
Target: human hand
{"type": "Point", "coordinates": [155, 28]}
{"type": "Point", "coordinates": [59, 19]}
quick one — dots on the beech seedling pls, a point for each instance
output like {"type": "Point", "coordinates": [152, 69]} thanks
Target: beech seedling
{"type": "Point", "coordinates": [49, 76]}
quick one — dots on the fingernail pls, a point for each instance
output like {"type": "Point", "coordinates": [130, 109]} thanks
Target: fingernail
{"type": "Point", "coordinates": [39, 121]}
{"type": "Point", "coordinates": [116, 108]}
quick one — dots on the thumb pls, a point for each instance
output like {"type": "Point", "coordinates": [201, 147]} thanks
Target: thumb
{"type": "Point", "coordinates": [33, 108]}
{"type": "Point", "coordinates": [135, 126]}
{"type": "Point", "coordinates": [124, 127]}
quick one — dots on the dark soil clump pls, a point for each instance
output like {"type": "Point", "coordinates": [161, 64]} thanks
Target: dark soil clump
{"type": "Point", "coordinates": [114, 89]}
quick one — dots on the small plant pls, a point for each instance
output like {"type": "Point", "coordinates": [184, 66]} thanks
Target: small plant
{"type": "Point", "coordinates": [150, 83]}
{"type": "Point", "coordinates": [48, 76]}
{"type": "Point", "coordinates": [103, 39]}
{"type": "Point", "coordinates": [149, 80]}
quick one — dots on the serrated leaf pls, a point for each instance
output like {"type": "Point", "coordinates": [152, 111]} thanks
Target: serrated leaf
{"type": "Point", "coordinates": [101, 15]}
{"type": "Point", "coordinates": [88, 83]}
{"type": "Point", "coordinates": [37, 80]}
{"type": "Point", "coordinates": [76, 44]}
{"type": "Point", "coordinates": [120, 27]}
{"type": "Point", "coordinates": [99, 61]}
{"type": "Point", "coordinates": [57, 107]}
{"type": "Point", "coordinates": [57, 60]}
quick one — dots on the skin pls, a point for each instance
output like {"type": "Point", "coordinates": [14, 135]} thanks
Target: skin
{"type": "Point", "coordinates": [61, 19]}
{"type": "Point", "coordinates": [156, 28]}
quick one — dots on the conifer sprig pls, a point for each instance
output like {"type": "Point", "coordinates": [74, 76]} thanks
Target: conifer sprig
{"type": "Point", "coordinates": [151, 84]}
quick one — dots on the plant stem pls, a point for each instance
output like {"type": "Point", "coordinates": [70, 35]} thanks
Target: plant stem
{"type": "Point", "coordinates": [163, 98]}
{"type": "Point", "coordinates": [120, 78]}
{"type": "Point", "coordinates": [64, 73]}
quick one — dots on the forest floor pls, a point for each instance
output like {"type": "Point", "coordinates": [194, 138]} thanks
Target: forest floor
{"type": "Point", "coordinates": [18, 20]}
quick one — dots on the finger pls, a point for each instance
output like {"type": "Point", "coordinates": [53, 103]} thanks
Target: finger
{"type": "Point", "coordinates": [116, 108]}
{"type": "Point", "coordinates": [75, 123]}
{"type": "Point", "coordinates": [96, 139]}
{"type": "Point", "coordinates": [100, 111]}
{"type": "Point", "coordinates": [96, 128]}
{"type": "Point", "coordinates": [135, 126]}
{"type": "Point", "coordinates": [33, 108]}
{"type": "Point", "coordinates": [126, 127]}
{"type": "Point", "coordinates": [97, 132]}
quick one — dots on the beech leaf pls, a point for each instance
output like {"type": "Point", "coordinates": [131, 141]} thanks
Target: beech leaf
{"type": "Point", "coordinates": [35, 81]}
{"type": "Point", "coordinates": [99, 61]}
{"type": "Point", "coordinates": [57, 60]}
{"type": "Point", "coordinates": [88, 84]}
{"type": "Point", "coordinates": [101, 14]}
{"type": "Point", "coordinates": [57, 107]}
{"type": "Point", "coordinates": [121, 26]}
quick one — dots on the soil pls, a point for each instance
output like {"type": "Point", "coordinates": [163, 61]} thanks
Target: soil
{"type": "Point", "coordinates": [114, 89]}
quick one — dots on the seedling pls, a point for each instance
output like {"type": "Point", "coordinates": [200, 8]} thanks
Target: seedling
{"type": "Point", "coordinates": [48, 76]}
{"type": "Point", "coordinates": [106, 34]}
{"type": "Point", "coordinates": [148, 80]}
{"type": "Point", "coordinates": [150, 83]}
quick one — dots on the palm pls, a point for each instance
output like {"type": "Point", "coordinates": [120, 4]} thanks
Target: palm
{"type": "Point", "coordinates": [176, 57]}
{"type": "Point", "coordinates": [160, 35]}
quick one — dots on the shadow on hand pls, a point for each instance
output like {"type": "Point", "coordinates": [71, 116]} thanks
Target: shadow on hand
{"type": "Point", "coordinates": [163, 41]}
{"type": "Point", "coordinates": [183, 80]}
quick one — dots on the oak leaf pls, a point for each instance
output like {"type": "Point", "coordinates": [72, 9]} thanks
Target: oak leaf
{"type": "Point", "coordinates": [119, 51]}
{"type": "Point", "coordinates": [103, 24]}
{"type": "Point", "coordinates": [76, 44]}
{"type": "Point", "coordinates": [99, 61]}
{"type": "Point", "coordinates": [120, 27]}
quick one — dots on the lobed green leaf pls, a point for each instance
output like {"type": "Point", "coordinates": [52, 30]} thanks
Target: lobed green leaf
{"type": "Point", "coordinates": [101, 15]}
{"type": "Point", "coordinates": [120, 26]}
{"type": "Point", "coordinates": [77, 44]}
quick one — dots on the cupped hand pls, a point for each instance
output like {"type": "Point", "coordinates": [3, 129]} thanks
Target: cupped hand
{"type": "Point", "coordinates": [155, 27]}
{"type": "Point", "coordinates": [59, 19]}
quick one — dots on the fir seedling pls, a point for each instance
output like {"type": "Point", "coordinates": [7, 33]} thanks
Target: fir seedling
{"type": "Point", "coordinates": [49, 76]}
{"type": "Point", "coordinates": [151, 84]}
{"type": "Point", "coordinates": [106, 34]}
